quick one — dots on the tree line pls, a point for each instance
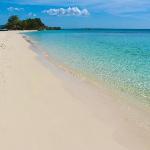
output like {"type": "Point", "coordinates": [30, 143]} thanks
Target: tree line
{"type": "Point", "coordinates": [14, 23]}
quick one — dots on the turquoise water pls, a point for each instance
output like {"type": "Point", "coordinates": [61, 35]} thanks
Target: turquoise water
{"type": "Point", "coordinates": [118, 58]}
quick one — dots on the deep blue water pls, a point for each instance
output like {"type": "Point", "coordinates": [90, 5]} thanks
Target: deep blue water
{"type": "Point", "coordinates": [118, 58]}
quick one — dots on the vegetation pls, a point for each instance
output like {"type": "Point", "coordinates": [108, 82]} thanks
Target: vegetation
{"type": "Point", "coordinates": [32, 24]}
{"type": "Point", "coordinates": [14, 23]}
{"type": "Point", "coordinates": [53, 28]}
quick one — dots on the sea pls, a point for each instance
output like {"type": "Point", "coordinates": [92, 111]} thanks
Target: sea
{"type": "Point", "coordinates": [116, 58]}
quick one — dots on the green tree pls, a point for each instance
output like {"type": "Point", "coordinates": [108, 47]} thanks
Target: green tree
{"type": "Point", "coordinates": [33, 24]}
{"type": "Point", "coordinates": [13, 23]}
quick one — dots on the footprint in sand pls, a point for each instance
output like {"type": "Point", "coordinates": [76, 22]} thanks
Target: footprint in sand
{"type": "Point", "coordinates": [2, 45]}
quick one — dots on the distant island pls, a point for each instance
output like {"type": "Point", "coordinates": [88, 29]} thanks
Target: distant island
{"type": "Point", "coordinates": [14, 23]}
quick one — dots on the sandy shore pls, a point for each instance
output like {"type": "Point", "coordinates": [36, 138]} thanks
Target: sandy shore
{"type": "Point", "coordinates": [41, 111]}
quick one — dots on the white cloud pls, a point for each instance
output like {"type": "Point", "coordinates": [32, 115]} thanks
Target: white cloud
{"type": "Point", "coordinates": [31, 14]}
{"type": "Point", "coordinates": [15, 9]}
{"type": "Point", "coordinates": [71, 11]}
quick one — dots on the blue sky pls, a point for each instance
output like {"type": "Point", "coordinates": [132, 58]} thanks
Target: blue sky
{"type": "Point", "coordinates": [81, 13]}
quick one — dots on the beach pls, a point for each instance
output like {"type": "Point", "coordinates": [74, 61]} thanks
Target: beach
{"type": "Point", "coordinates": [39, 109]}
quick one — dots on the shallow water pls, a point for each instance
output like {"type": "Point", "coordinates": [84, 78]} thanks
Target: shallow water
{"type": "Point", "coordinates": [118, 58]}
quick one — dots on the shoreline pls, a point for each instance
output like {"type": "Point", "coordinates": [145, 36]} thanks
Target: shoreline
{"type": "Point", "coordinates": [67, 114]}
{"type": "Point", "coordinates": [69, 75]}
{"type": "Point", "coordinates": [115, 93]}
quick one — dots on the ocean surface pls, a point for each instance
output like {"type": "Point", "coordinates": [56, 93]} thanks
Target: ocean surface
{"type": "Point", "coordinates": [119, 59]}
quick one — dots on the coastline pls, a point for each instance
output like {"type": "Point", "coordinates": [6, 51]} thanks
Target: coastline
{"type": "Point", "coordinates": [114, 92]}
{"type": "Point", "coordinates": [38, 103]}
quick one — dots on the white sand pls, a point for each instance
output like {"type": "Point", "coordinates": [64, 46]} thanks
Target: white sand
{"type": "Point", "coordinates": [40, 111]}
